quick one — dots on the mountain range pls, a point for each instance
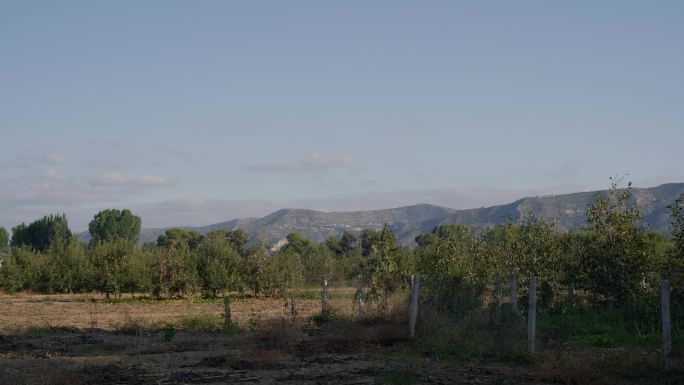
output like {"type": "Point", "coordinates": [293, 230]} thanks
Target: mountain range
{"type": "Point", "coordinates": [569, 210]}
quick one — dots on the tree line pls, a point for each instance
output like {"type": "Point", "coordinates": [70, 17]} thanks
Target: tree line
{"type": "Point", "coordinates": [612, 261]}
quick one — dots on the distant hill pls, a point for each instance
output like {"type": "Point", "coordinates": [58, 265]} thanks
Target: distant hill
{"type": "Point", "coordinates": [570, 210]}
{"type": "Point", "coordinates": [409, 221]}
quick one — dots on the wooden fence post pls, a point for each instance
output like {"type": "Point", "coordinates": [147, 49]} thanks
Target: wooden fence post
{"type": "Point", "coordinates": [532, 315]}
{"type": "Point", "coordinates": [413, 316]}
{"type": "Point", "coordinates": [667, 327]}
{"type": "Point", "coordinates": [325, 306]}
{"type": "Point", "coordinates": [358, 300]}
{"type": "Point", "coordinates": [573, 293]}
{"type": "Point", "coordinates": [514, 294]}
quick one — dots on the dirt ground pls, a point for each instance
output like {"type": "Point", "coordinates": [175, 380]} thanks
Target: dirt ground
{"type": "Point", "coordinates": [22, 311]}
{"type": "Point", "coordinates": [275, 356]}
{"type": "Point", "coordinates": [66, 339]}
{"type": "Point", "coordinates": [69, 339]}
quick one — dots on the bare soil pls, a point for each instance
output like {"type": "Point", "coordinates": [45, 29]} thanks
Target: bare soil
{"type": "Point", "coordinates": [68, 339]}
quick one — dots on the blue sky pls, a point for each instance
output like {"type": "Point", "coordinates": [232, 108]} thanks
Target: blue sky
{"type": "Point", "coordinates": [193, 112]}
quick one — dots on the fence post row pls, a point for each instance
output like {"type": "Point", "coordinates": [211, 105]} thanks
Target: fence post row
{"type": "Point", "coordinates": [667, 327]}
{"type": "Point", "coordinates": [532, 315]}
{"type": "Point", "coordinates": [413, 316]}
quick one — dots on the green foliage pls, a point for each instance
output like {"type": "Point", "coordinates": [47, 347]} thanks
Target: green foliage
{"type": "Point", "coordinates": [238, 239]}
{"type": "Point", "coordinates": [110, 261]}
{"type": "Point", "coordinates": [348, 243]}
{"type": "Point", "coordinates": [285, 272]}
{"type": "Point", "coordinates": [314, 260]}
{"type": "Point", "coordinates": [537, 247]}
{"type": "Point", "coordinates": [60, 269]}
{"type": "Point", "coordinates": [325, 316]}
{"type": "Point", "coordinates": [605, 327]}
{"type": "Point", "coordinates": [383, 267]}
{"type": "Point", "coordinates": [49, 231]}
{"type": "Point", "coordinates": [333, 245]}
{"type": "Point", "coordinates": [113, 225]}
{"type": "Point", "coordinates": [4, 242]}
{"type": "Point", "coordinates": [452, 277]}
{"type": "Point", "coordinates": [73, 271]}
{"type": "Point", "coordinates": [174, 272]}
{"type": "Point", "coordinates": [218, 264]}
{"type": "Point", "coordinates": [254, 270]}
{"type": "Point", "coordinates": [138, 272]}
{"type": "Point", "coordinates": [369, 241]}
{"type": "Point", "coordinates": [199, 323]}
{"type": "Point", "coordinates": [177, 237]}
{"type": "Point", "coordinates": [674, 265]}
{"type": "Point", "coordinates": [616, 257]}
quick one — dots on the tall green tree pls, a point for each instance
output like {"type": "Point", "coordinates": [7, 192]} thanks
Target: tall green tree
{"type": "Point", "coordinates": [40, 235]}
{"type": "Point", "coordinates": [617, 257]}
{"type": "Point", "coordinates": [112, 225]}
{"type": "Point", "coordinates": [384, 267]}
{"type": "Point", "coordinates": [451, 269]}
{"type": "Point", "coordinates": [218, 264]}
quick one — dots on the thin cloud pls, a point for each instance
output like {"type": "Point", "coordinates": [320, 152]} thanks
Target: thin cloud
{"type": "Point", "coordinates": [109, 143]}
{"type": "Point", "coordinates": [35, 193]}
{"type": "Point", "coordinates": [175, 152]}
{"type": "Point", "coordinates": [25, 162]}
{"type": "Point", "coordinates": [134, 181]}
{"type": "Point", "coordinates": [55, 175]}
{"type": "Point", "coordinates": [54, 158]}
{"type": "Point", "coordinates": [316, 163]}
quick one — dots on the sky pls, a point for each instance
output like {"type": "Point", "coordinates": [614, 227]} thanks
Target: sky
{"type": "Point", "coordinates": [196, 112]}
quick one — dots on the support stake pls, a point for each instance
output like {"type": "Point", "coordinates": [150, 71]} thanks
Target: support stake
{"type": "Point", "coordinates": [413, 316]}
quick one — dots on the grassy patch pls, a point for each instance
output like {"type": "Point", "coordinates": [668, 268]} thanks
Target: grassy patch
{"type": "Point", "coordinates": [199, 323]}
{"type": "Point", "coordinates": [471, 338]}
{"type": "Point", "coordinates": [605, 329]}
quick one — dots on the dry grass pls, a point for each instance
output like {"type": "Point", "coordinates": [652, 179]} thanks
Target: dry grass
{"type": "Point", "coordinates": [25, 311]}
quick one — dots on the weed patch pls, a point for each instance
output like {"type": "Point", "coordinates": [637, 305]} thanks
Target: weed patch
{"type": "Point", "coordinates": [199, 323]}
